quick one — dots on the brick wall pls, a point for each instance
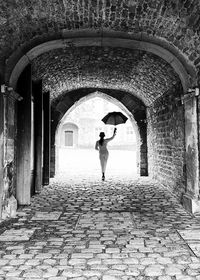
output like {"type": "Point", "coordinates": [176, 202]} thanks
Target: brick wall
{"type": "Point", "coordinates": [166, 142]}
{"type": "Point", "coordinates": [174, 21]}
{"type": "Point", "coordinates": [198, 112]}
{"type": "Point", "coordinates": [9, 203]}
{"type": "Point", "coordinates": [143, 73]}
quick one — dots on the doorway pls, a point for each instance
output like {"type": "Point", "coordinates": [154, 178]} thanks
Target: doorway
{"type": "Point", "coordinates": [79, 130]}
{"type": "Point", "coordinates": [69, 138]}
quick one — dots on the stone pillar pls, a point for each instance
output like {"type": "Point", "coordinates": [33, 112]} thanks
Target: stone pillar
{"type": "Point", "coordinates": [7, 154]}
{"type": "Point", "coordinates": [38, 133]}
{"type": "Point", "coordinates": [24, 138]}
{"type": "Point", "coordinates": [47, 133]}
{"type": "Point", "coordinates": [191, 198]}
{"type": "Point", "coordinates": [1, 151]}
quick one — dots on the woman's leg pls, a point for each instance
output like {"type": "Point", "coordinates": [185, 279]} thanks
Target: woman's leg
{"type": "Point", "coordinates": [103, 161]}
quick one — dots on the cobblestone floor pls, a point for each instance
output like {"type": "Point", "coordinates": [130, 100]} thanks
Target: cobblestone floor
{"type": "Point", "coordinates": [81, 228]}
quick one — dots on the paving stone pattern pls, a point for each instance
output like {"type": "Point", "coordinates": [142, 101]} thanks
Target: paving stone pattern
{"type": "Point", "coordinates": [83, 229]}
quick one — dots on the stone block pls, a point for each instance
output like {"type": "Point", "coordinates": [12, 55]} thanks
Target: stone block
{"type": "Point", "coordinates": [52, 216]}
{"type": "Point", "coordinates": [191, 204]}
{"type": "Point", "coordinates": [17, 235]}
{"type": "Point", "coordinates": [10, 209]}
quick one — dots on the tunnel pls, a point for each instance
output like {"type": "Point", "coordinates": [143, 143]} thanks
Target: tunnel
{"type": "Point", "coordinates": [149, 65]}
{"type": "Point", "coordinates": [142, 56]}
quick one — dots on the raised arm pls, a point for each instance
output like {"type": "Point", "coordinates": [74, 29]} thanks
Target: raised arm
{"type": "Point", "coordinates": [111, 138]}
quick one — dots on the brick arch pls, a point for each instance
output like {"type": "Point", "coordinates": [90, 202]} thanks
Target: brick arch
{"type": "Point", "coordinates": [122, 99]}
{"type": "Point", "coordinates": [175, 21]}
{"type": "Point", "coordinates": [133, 107]}
{"type": "Point", "coordinates": [185, 70]}
{"type": "Point", "coordinates": [94, 94]}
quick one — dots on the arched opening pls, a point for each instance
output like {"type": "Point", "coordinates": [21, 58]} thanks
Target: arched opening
{"type": "Point", "coordinates": [87, 114]}
{"type": "Point", "coordinates": [146, 55]}
{"type": "Point", "coordinates": [102, 38]}
{"type": "Point", "coordinates": [142, 75]}
{"type": "Point", "coordinates": [133, 107]}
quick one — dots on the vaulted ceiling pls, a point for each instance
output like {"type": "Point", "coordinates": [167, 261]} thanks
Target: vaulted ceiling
{"type": "Point", "coordinates": [177, 21]}
{"type": "Point", "coordinates": [145, 75]}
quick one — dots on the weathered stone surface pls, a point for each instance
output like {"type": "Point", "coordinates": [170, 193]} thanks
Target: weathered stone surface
{"type": "Point", "coordinates": [195, 247]}
{"type": "Point", "coordinates": [190, 234]}
{"type": "Point", "coordinates": [166, 146]}
{"type": "Point", "coordinates": [16, 234]}
{"type": "Point", "coordinates": [154, 270]}
{"type": "Point", "coordinates": [8, 200]}
{"type": "Point", "coordinates": [176, 22]}
{"type": "Point", "coordinates": [95, 67]}
{"type": "Point", "coordinates": [174, 270]}
{"type": "Point", "coordinates": [46, 216]}
{"type": "Point", "coordinates": [171, 24]}
{"type": "Point", "coordinates": [49, 254]}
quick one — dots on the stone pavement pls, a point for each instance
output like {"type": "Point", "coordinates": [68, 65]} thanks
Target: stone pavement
{"type": "Point", "coordinates": [83, 229]}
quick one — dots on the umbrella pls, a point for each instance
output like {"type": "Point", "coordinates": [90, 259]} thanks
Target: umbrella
{"type": "Point", "coordinates": [114, 118]}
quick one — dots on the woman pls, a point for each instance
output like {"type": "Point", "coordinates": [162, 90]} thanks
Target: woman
{"type": "Point", "coordinates": [101, 146]}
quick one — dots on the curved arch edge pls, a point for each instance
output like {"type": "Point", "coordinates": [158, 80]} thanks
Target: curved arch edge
{"type": "Point", "coordinates": [183, 68]}
{"type": "Point", "coordinates": [109, 99]}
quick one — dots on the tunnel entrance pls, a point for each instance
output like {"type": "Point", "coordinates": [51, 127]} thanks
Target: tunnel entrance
{"type": "Point", "coordinates": [132, 106]}
{"type": "Point", "coordinates": [151, 84]}
{"type": "Point", "coordinates": [79, 130]}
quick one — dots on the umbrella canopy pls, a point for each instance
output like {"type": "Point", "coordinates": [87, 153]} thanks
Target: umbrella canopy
{"type": "Point", "coordinates": [114, 118]}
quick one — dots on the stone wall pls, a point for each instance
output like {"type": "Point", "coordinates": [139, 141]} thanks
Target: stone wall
{"type": "Point", "coordinates": [1, 149]}
{"type": "Point", "coordinates": [9, 203]}
{"type": "Point", "coordinates": [166, 143]}
{"type": "Point", "coordinates": [174, 21]}
{"type": "Point", "coordinates": [144, 74]}
{"type": "Point", "coordinates": [198, 113]}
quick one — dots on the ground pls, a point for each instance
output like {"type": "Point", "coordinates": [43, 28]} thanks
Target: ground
{"type": "Point", "coordinates": [86, 163]}
{"type": "Point", "coordinates": [81, 228]}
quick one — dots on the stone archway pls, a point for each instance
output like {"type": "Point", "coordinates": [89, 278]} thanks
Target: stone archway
{"type": "Point", "coordinates": [185, 72]}
{"type": "Point", "coordinates": [135, 109]}
{"type": "Point", "coordinates": [167, 29]}
{"type": "Point", "coordinates": [109, 98]}
{"type": "Point", "coordinates": [17, 62]}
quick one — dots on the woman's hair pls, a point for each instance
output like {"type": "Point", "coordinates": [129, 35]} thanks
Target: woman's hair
{"type": "Point", "coordinates": [101, 135]}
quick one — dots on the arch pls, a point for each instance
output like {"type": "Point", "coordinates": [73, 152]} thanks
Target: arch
{"type": "Point", "coordinates": [110, 99]}
{"type": "Point", "coordinates": [101, 95]}
{"type": "Point", "coordinates": [132, 103]}
{"type": "Point", "coordinates": [185, 70]}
